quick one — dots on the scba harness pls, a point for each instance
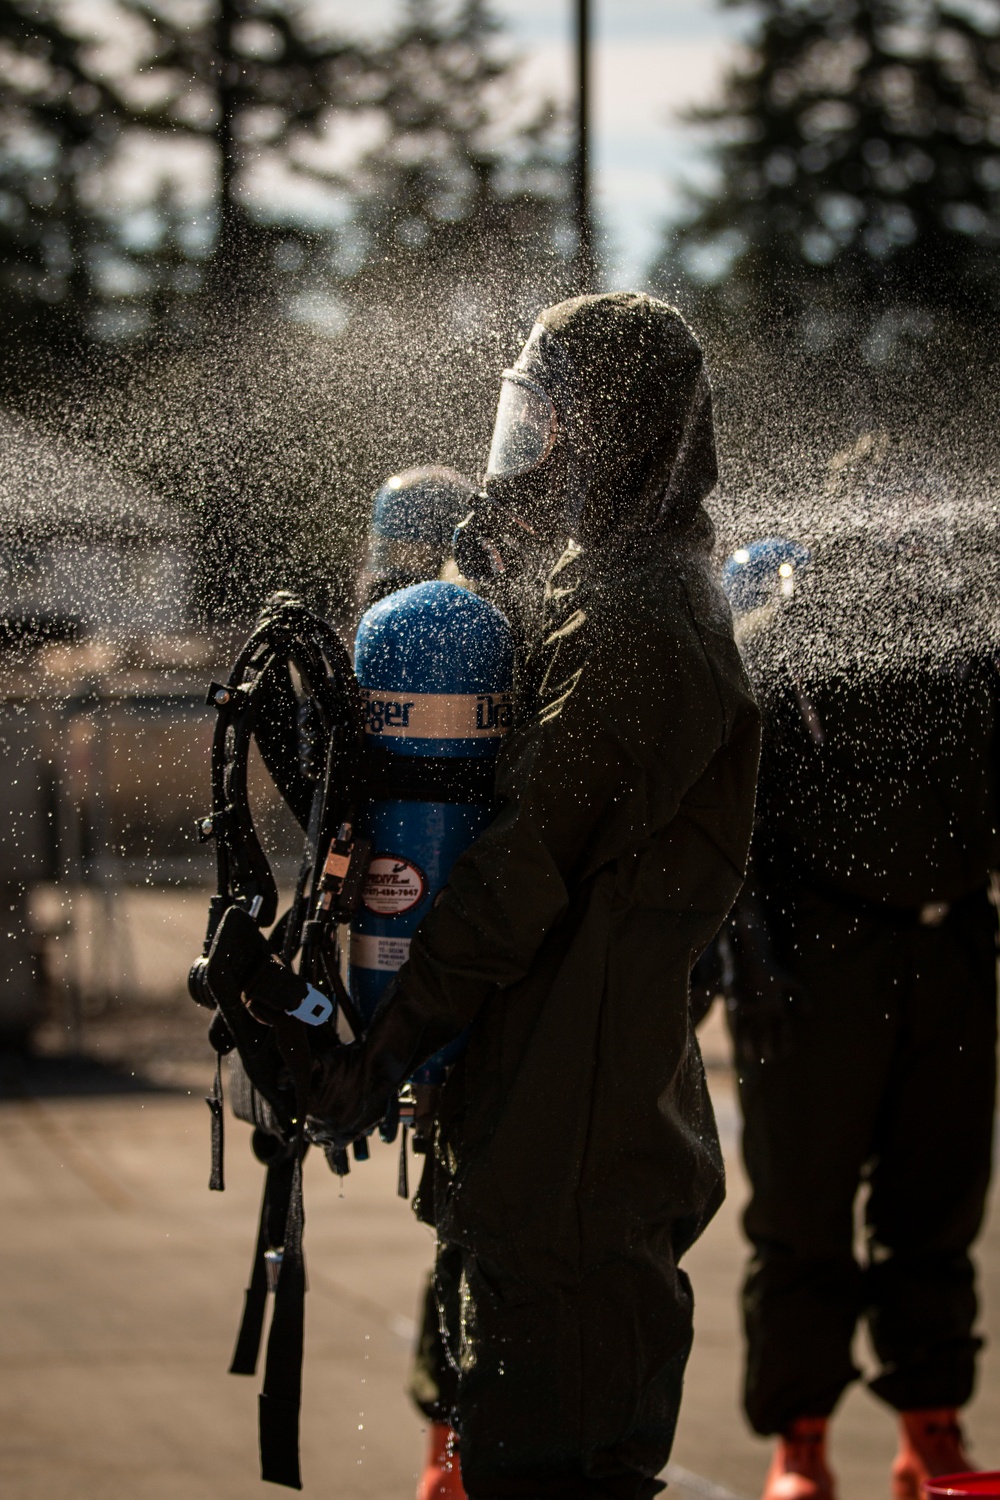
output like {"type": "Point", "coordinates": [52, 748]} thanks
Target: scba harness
{"type": "Point", "coordinates": [293, 692]}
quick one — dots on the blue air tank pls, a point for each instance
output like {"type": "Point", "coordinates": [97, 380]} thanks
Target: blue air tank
{"type": "Point", "coordinates": [436, 665]}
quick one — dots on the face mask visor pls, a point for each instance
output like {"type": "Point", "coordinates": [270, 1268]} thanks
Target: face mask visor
{"type": "Point", "coordinates": [525, 428]}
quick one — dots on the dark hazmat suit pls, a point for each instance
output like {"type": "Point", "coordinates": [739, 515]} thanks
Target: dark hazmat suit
{"type": "Point", "coordinates": [575, 1155]}
{"type": "Point", "coordinates": [876, 834]}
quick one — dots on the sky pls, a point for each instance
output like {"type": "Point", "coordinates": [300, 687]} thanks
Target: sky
{"type": "Point", "coordinates": [652, 59]}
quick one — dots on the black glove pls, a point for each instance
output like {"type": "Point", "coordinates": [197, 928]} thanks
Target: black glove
{"type": "Point", "coordinates": [352, 1089]}
{"type": "Point", "coordinates": [764, 996]}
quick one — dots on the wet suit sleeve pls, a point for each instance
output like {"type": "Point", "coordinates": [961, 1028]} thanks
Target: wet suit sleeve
{"type": "Point", "coordinates": [618, 741]}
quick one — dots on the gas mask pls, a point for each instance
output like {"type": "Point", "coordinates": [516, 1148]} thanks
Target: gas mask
{"type": "Point", "coordinates": [603, 434]}
{"type": "Point", "coordinates": [530, 475]}
{"type": "Point", "coordinates": [524, 435]}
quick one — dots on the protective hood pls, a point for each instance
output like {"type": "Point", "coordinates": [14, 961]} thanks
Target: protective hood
{"type": "Point", "coordinates": [604, 426]}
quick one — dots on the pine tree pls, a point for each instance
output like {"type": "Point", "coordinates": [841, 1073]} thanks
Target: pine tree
{"type": "Point", "coordinates": [58, 126]}
{"type": "Point", "coordinates": [464, 171]}
{"type": "Point", "coordinates": [257, 87]}
{"type": "Point", "coordinates": [244, 82]}
{"type": "Point", "coordinates": [858, 151]}
{"type": "Point", "coordinates": [251, 82]}
{"type": "Point", "coordinates": [438, 242]}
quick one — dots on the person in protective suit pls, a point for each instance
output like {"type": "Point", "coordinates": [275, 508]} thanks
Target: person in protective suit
{"type": "Point", "coordinates": [414, 517]}
{"type": "Point", "coordinates": [411, 535]}
{"type": "Point", "coordinates": [575, 1157]}
{"type": "Point", "coordinates": [411, 539]}
{"type": "Point", "coordinates": [864, 1012]}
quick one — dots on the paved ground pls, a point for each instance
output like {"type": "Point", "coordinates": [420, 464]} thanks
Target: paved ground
{"type": "Point", "coordinates": [120, 1288]}
{"type": "Point", "coordinates": [121, 1277]}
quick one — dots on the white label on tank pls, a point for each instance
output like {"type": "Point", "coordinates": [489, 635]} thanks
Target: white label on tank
{"type": "Point", "coordinates": [437, 716]}
{"type": "Point", "coordinates": [393, 885]}
{"type": "Point", "coordinates": [385, 953]}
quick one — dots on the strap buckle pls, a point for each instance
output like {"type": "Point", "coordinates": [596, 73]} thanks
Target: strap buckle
{"type": "Point", "coordinates": [314, 1009]}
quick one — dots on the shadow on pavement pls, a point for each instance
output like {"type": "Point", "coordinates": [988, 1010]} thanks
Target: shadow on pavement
{"type": "Point", "coordinates": [33, 1076]}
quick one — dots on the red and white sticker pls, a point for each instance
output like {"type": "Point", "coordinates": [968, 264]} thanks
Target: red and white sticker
{"type": "Point", "coordinates": [393, 886]}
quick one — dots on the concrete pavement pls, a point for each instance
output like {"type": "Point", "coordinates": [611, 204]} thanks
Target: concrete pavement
{"type": "Point", "coordinates": [121, 1281]}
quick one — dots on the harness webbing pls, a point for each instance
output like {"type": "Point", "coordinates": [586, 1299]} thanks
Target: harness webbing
{"type": "Point", "coordinates": [293, 692]}
{"type": "Point", "coordinates": [216, 1105]}
{"type": "Point", "coordinates": [280, 1399]}
{"type": "Point", "coordinates": [247, 1350]}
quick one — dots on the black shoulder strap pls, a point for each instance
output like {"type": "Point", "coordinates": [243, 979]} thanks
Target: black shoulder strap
{"type": "Point", "coordinates": [270, 1236]}
{"type": "Point", "coordinates": [281, 1396]}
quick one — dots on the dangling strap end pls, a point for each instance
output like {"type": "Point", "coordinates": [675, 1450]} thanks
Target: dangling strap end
{"type": "Point", "coordinates": [247, 1351]}
{"type": "Point", "coordinates": [279, 1442]}
{"type": "Point", "coordinates": [403, 1178]}
{"type": "Point", "coordinates": [214, 1100]}
{"type": "Point", "coordinates": [280, 1398]}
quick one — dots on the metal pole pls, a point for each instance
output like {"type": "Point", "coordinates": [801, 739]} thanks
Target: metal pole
{"type": "Point", "coordinates": [229, 272]}
{"type": "Point", "coordinates": [581, 164]}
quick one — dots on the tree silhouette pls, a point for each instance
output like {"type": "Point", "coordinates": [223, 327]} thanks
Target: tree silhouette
{"type": "Point", "coordinates": [199, 170]}
{"type": "Point", "coordinates": [858, 158]}
{"type": "Point", "coordinates": [293, 262]}
{"type": "Point", "coordinates": [462, 163]}
{"type": "Point", "coordinates": [58, 126]}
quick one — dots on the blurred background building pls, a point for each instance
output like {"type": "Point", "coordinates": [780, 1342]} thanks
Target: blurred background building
{"type": "Point", "coordinates": [257, 254]}
{"type": "Point", "coordinates": [85, 549]}
{"type": "Point", "coordinates": [95, 623]}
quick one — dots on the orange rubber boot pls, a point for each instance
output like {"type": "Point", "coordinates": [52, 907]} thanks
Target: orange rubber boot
{"type": "Point", "coordinates": [442, 1476]}
{"type": "Point", "coordinates": [930, 1443]}
{"type": "Point", "coordinates": [799, 1469]}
